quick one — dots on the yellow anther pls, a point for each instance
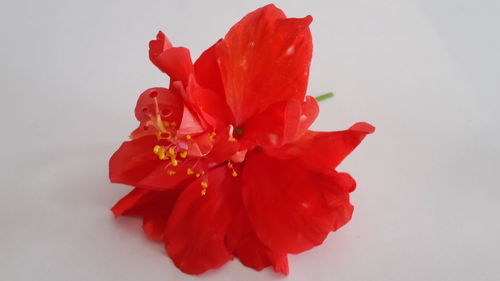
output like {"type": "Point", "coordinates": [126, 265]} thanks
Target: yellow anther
{"type": "Point", "coordinates": [171, 172]}
{"type": "Point", "coordinates": [171, 151]}
{"type": "Point", "coordinates": [162, 155]}
{"type": "Point", "coordinates": [173, 124]}
{"type": "Point", "coordinates": [174, 162]}
{"type": "Point", "coordinates": [158, 135]}
{"type": "Point", "coordinates": [166, 124]}
{"type": "Point", "coordinates": [188, 137]}
{"type": "Point", "coordinates": [183, 154]}
{"type": "Point", "coordinates": [203, 192]}
{"type": "Point", "coordinates": [230, 166]}
{"type": "Point", "coordinates": [160, 151]}
{"type": "Point", "coordinates": [189, 171]}
{"type": "Point", "coordinates": [197, 175]}
{"type": "Point", "coordinates": [204, 184]}
{"type": "Point", "coordinates": [211, 137]}
{"type": "Point", "coordinates": [156, 149]}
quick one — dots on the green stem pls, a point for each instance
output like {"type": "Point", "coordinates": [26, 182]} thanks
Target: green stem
{"type": "Point", "coordinates": [324, 96]}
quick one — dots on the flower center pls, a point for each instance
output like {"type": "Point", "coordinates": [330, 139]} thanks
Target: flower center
{"type": "Point", "coordinates": [178, 160]}
{"type": "Point", "coordinates": [193, 166]}
{"type": "Point", "coordinates": [193, 154]}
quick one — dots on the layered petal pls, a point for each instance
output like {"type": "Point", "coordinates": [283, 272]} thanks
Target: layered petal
{"type": "Point", "coordinates": [251, 252]}
{"type": "Point", "coordinates": [223, 163]}
{"type": "Point", "coordinates": [134, 163]}
{"type": "Point", "coordinates": [207, 71]}
{"type": "Point", "coordinates": [264, 59]}
{"type": "Point", "coordinates": [154, 227]}
{"type": "Point", "coordinates": [291, 207]}
{"type": "Point", "coordinates": [210, 106]}
{"type": "Point", "coordinates": [174, 61]}
{"type": "Point", "coordinates": [324, 150]}
{"type": "Point", "coordinates": [154, 206]}
{"type": "Point", "coordinates": [211, 99]}
{"type": "Point", "coordinates": [226, 147]}
{"type": "Point", "coordinates": [281, 123]}
{"type": "Point", "coordinates": [156, 110]}
{"type": "Point", "coordinates": [143, 202]}
{"type": "Point", "coordinates": [197, 229]}
{"type": "Point", "coordinates": [201, 84]}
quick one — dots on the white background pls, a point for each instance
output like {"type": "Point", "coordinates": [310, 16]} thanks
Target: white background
{"type": "Point", "coordinates": [425, 73]}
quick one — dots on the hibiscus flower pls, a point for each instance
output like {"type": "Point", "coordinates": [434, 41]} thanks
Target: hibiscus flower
{"type": "Point", "coordinates": [223, 163]}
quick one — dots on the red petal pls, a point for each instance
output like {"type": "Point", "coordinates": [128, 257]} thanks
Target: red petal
{"type": "Point", "coordinates": [292, 208]}
{"type": "Point", "coordinates": [174, 61]}
{"type": "Point", "coordinates": [196, 230]}
{"type": "Point", "coordinates": [281, 123]}
{"type": "Point", "coordinates": [156, 47]}
{"type": "Point", "coordinates": [143, 202]}
{"type": "Point", "coordinates": [159, 101]}
{"type": "Point", "coordinates": [134, 163]}
{"type": "Point", "coordinates": [210, 106]}
{"type": "Point", "coordinates": [208, 100]}
{"type": "Point", "coordinates": [128, 202]}
{"type": "Point", "coordinates": [225, 146]}
{"type": "Point", "coordinates": [211, 100]}
{"type": "Point", "coordinates": [264, 59]}
{"type": "Point", "coordinates": [245, 245]}
{"type": "Point", "coordinates": [207, 71]}
{"type": "Point", "coordinates": [154, 206]}
{"type": "Point", "coordinates": [154, 227]}
{"type": "Point", "coordinates": [324, 149]}
{"type": "Point", "coordinates": [189, 124]}
{"type": "Point", "coordinates": [154, 107]}
{"type": "Point", "coordinates": [189, 94]}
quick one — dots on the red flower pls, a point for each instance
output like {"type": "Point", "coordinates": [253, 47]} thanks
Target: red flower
{"type": "Point", "coordinates": [223, 162]}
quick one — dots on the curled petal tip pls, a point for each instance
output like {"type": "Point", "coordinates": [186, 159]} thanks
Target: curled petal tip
{"type": "Point", "coordinates": [363, 127]}
{"type": "Point", "coordinates": [308, 19]}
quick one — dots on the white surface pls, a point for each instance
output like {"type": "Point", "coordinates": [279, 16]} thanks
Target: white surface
{"type": "Point", "coordinates": [425, 73]}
